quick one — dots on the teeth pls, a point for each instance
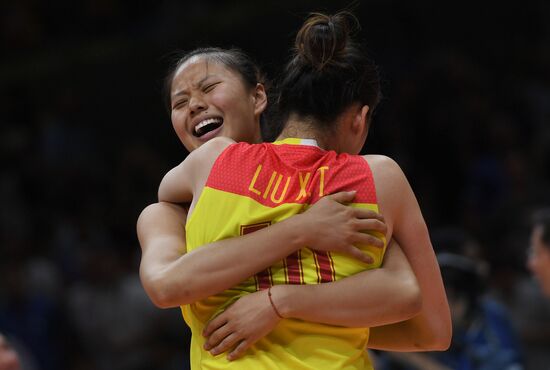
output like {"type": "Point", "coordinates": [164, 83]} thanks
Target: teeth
{"type": "Point", "coordinates": [206, 122]}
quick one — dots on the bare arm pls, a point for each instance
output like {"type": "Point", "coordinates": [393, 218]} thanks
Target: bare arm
{"type": "Point", "coordinates": [183, 183]}
{"type": "Point", "coordinates": [161, 234]}
{"type": "Point", "coordinates": [373, 297]}
{"type": "Point", "coordinates": [370, 298]}
{"type": "Point", "coordinates": [431, 329]}
{"type": "Point", "coordinates": [376, 297]}
{"type": "Point", "coordinates": [169, 275]}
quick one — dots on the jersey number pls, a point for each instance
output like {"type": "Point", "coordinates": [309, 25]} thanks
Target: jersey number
{"type": "Point", "coordinates": [293, 269]}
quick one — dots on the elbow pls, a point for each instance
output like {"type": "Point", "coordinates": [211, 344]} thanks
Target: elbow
{"type": "Point", "coordinates": [442, 331]}
{"type": "Point", "coordinates": [158, 294]}
{"type": "Point", "coordinates": [442, 345]}
{"type": "Point", "coordinates": [442, 340]}
{"type": "Point", "coordinates": [438, 342]}
{"type": "Point", "coordinates": [160, 298]}
{"type": "Point", "coordinates": [162, 292]}
{"type": "Point", "coordinates": [439, 337]}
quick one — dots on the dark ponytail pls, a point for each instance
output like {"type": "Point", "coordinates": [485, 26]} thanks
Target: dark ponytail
{"type": "Point", "coordinates": [327, 72]}
{"type": "Point", "coordinates": [322, 38]}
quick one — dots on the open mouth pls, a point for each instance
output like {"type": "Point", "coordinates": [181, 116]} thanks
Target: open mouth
{"type": "Point", "coordinates": [207, 125]}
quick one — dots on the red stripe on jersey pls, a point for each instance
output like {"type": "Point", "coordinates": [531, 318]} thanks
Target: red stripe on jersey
{"type": "Point", "coordinates": [247, 229]}
{"type": "Point", "coordinates": [294, 267]}
{"type": "Point", "coordinates": [326, 268]}
{"type": "Point", "coordinates": [263, 279]}
{"type": "Point", "coordinates": [276, 174]}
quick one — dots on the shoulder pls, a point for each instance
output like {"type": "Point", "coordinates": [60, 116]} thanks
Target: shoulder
{"type": "Point", "coordinates": [180, 183]}
{"type": "Point", "coordinates": [393, 191]}
{"type": "Point", "coordinates": [201, 159]}
{"type": "Point", "coordinates": [385, 170]}
{"type": "Point", "coordinates": [378, 161]}
{"type": "Point", "coordinates": [209, 150]}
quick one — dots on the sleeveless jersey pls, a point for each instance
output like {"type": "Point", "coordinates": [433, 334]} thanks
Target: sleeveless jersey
{"type": "Point", "coordinates": [254, 186]}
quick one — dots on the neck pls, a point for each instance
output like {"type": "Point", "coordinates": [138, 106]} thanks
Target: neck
{"type": "Point", "coordinates": [304, 129]}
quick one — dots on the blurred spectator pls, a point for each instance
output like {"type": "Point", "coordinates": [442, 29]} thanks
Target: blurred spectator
{"type": "Point", "coordinates": [9, 359]}
{"type": "Point", "coordinates": [530, 312]}
{"type": "Point", "coordinates": [539, 251]}
{"type": "Point", "coordinates": [14, 355]}
{"type": "Point", "coordinates": [483, 336]}
{"type": "Point", "coordinates": [84, 142]}
{"type": "Point", "coordinates": [527, 296]}
{"type": "Point", "coordinates": [30, 310]}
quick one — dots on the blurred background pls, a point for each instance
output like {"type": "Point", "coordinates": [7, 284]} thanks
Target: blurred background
{"type": "Point", "coordinates": [85, 141]}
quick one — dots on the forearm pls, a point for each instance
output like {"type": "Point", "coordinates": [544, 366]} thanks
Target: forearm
{"type": "Point", "coordinates": [431, 329]}
{"type": "Point", "coordinates": [217, 266]}
{"type": "Point", "coordinates": [374, 297]}
{"type": "Point", "coordinates": [420, 333]}
{"type": "Point", "coordinates": [173, 278]}
{"type": "Point", "coordinates": [405, 336]}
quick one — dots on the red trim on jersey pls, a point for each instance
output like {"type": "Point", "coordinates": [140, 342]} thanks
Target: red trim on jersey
{"type": "Point", "coordinates": [288, 173]}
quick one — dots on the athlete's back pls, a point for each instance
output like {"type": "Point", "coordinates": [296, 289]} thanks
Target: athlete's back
{"type": "Point", "coordinates": [253, 186]}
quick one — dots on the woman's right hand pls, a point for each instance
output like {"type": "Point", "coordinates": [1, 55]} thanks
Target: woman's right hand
{"type": "Point", "coordinates": [332, 226]}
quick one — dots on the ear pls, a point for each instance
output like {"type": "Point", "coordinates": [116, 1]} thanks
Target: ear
{"type": "Point", "coordinates": [360, 125]}
{"type": "Point", "coordinates": [260, 99]}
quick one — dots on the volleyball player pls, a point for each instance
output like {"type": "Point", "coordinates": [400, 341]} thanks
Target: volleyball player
{"type": "Point", "coordinates": [328, 92]}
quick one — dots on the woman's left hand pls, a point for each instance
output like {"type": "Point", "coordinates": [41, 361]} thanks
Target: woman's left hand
{"type": "Point", "coordinates": [241, 325]}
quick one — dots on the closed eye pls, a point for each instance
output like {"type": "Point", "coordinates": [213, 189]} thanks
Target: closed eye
{"type": "Point", "coordinates": [210, 87]}
{"type": "Point", "coordinates": [180, 103]}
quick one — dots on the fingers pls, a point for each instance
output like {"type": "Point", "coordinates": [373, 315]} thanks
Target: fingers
{"type": "Point", "coordinates": [358, 254]}
{"type": "Point", "coordinates": [239, 350]}
{"type": "Point", "coordinates": [226, 344]}
{"type": "Point", "coordinates": [213, 325]}
{"type": "Point", "coordinates": [372, 224]}
{"type": "Point", "coordinates": [368, 214]}
{"type": "Point", "coordinates": [343, 196]}
{"type": "Point", "coordinates": [367, 239]}
{"type": "Point", "coordinates": [217, 336]}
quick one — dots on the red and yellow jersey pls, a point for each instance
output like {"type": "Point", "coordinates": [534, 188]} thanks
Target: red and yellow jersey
{"type": "Point", "coordinates": [254, 186]}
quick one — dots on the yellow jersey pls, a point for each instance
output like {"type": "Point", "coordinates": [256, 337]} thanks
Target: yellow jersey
{"type": "Point", "coordinates": [252, 186]}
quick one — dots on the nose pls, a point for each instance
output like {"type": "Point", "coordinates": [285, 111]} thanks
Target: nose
{"type": "Point", "coordinates": [196, 105]}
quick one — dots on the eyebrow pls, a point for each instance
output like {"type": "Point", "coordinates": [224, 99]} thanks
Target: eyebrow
{"type": "Point", "coordinates": [200, 83]}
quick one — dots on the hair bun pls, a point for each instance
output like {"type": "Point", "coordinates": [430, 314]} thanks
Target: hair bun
{"type": "Point", "coordinates": [322, 37]}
